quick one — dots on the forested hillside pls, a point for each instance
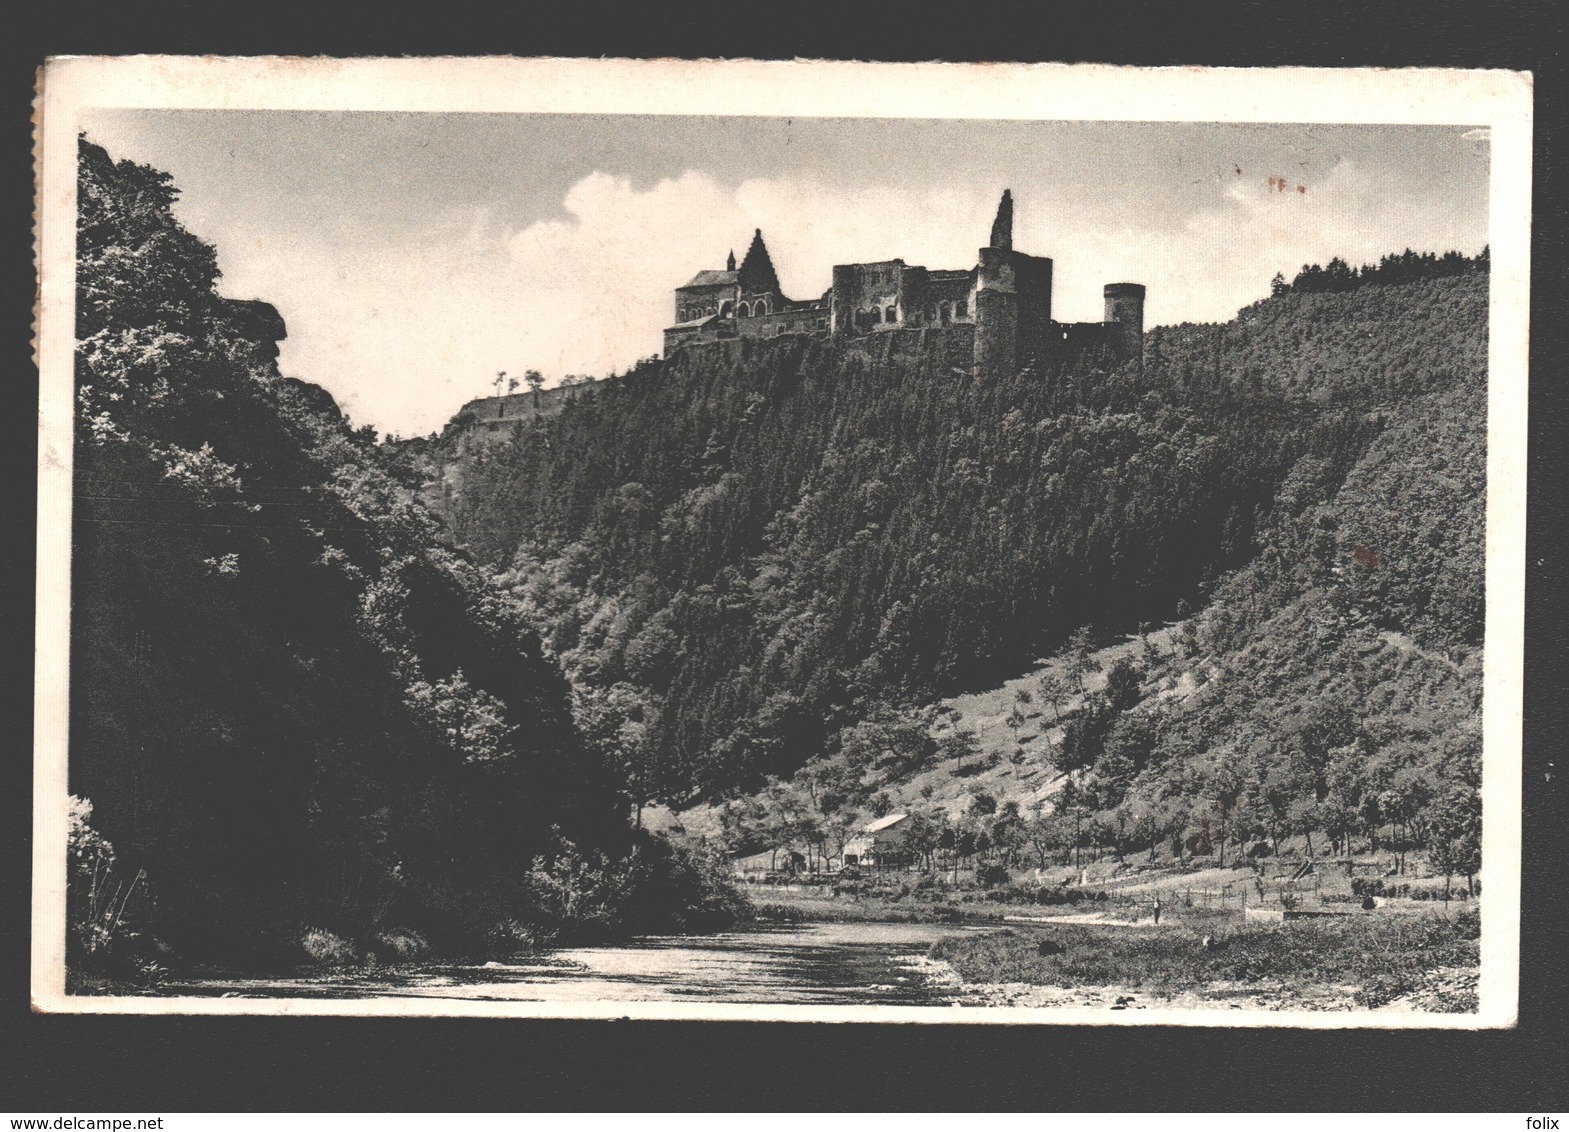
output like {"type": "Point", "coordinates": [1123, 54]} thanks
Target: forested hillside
{"type": "Point", "coordinates": [750, 554]}
{"type": "Point", "coordinates": [300, 727]}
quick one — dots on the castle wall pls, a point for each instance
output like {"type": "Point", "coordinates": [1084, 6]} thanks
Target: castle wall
{"type": "Point", "coordinates": [950, 297]}
{"type": "Point", "coordinates": [1032, 284]}
{"type": "Point", "coordinates": [698, 302]}
{"type": "Point", "coordinates": [678, 336]}
{"type": "Point", "coordinates": [949, 347]}
{"type": "Point", "coordinates": [868, 297]}
{"type": "Point", "coordinates": [1004, 304]}
{"type": "Point", "coordinates": [794, 320]}
{"type": "Point", "coordinates": [488, 414]}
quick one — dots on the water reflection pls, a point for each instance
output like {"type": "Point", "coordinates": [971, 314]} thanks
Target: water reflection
{"type": "Point", "coordinates": [843, 964]}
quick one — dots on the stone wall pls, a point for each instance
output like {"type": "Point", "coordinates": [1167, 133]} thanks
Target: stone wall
{"type": "Point", "coordinates": [491, 414]}
{"type": "Point", "coordinates": [797, 320]}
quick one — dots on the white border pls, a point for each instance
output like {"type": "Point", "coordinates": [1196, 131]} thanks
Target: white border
{"type": "Point", "coordinates": [1500, 100]}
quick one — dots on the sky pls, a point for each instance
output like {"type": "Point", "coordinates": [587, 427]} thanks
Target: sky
{"type": "Point", "coordinates": [414, 256]}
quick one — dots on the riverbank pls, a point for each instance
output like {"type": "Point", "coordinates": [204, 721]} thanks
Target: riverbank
{"type": "Point", "coordinates": [1427, 963]}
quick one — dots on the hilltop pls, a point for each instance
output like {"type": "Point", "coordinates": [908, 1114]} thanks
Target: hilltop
{"type": "Point", "coordinates": [1233, 593]}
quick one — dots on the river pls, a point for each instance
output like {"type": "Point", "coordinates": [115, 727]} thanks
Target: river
{"type": "Point", "coordinates": [807, 964]}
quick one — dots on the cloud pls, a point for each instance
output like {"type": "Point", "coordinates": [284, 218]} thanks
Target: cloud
{"type": "Point", "coordinates": [402, 332]}
{"type": "Point", "coordinates": [1221, 256]}
{"type": "Point", "coordinates": [596, 286]}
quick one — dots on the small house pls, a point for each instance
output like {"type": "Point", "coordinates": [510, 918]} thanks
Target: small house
{"type": "Point", "coordinates": [769, 863]}
{"type": "Point", "coordinates": [879, 843]}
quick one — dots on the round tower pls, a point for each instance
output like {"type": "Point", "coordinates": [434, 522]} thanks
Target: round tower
{"type": "Point", "coordinates": [1125, 307]}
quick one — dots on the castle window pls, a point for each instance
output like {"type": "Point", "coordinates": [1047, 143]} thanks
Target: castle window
{"type": "Point", "coordinates": [961, 309]}
{"type": "Point", "coordinates": [891, 316]}
{"type": "Point", "coordinates": [727, 309]}
{"type": "Point", "coordinates": [876, 315]}
{"type": "Point", "coordinates": [944, 312]}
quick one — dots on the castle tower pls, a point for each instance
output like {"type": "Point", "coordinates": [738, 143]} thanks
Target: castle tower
{"type": "Point", "coordinates": [1002, 227]}
{"type": "Point", "coordinates": [730, 261]}
{"type": "Point", "coordinates": [1012, 300]}
{"type": "Point", "coordinates": [757, 275]}
{"type": "Point", "coordinates": [1125, 307]}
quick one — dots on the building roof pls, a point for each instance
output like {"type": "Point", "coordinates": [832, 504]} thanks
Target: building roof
{"type": "Point", "coordinates": [757, 269]}
{"type": "Point", "coordinates": [766, 859]}
{"type": "Point", "coordinates": [712, 279]}
{"type": "Point", "coordinates": [883, 823]}
{"type": "Point", "coordinates": [695, 322]}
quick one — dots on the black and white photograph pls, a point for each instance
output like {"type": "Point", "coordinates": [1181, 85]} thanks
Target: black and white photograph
{"type": "Point", "coordinates": [781, 541]}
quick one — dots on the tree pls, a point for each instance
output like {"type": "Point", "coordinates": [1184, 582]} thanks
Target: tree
{"type": "Point", "coordinates": [1007, 832]}
{"type": "Point", "coordinates": [959, 745]}
{"type": "Point", "coordinates": [1223, 789]}
{"type": "Point", "coordinates": [619, 721]}
{"type": "Point", "coordinates": [379, 731]}
{"type": "Point", "coordinates": [1014, 721]}
{"type": "Point", "coordinates": [922, 835]}
{"type": "Point", "coordinates": [535, 382]}
{"type": "Point", "coordinates": [1081, 661]}
{"type": "Point", "coordinates": [1454, 834]}
{"type": "Point", "coordinates": [1054, 690]}
{"type": "Point", "coordinates": [1123, 681]}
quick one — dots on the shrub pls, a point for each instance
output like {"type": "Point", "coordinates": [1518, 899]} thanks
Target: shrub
{"type": "Point", "coordinates": [512, 935]}
{"type": "Point", "coordinates": [1381, 989]}
{"type": "Point", "coordinates": [403, 945]}
{"type": "Point", "coordinates": [1468, 924]}
{"type": "Point", "coordinates": [103, 907]}
{"type": "Point", "coordinates": [328, 949]}
{"type": "Point", "coordinates": [992, 876]}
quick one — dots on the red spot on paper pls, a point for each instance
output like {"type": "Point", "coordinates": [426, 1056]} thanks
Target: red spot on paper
{"type": "Point", "coordinates": [1364, 557]}
{"type": "Point", "coordinates": [1301, 188]}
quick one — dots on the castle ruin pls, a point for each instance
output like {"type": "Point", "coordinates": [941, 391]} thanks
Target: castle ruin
{"type": "Point", "coordinates": [1003, 304]}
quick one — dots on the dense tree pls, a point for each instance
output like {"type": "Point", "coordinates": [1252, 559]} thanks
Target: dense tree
{"type": "Point", "coordinates": [780, 539]}
{"type": "Point", "coordinates": [294, 712]}
{"type": "Point", "coordinates": [775, 537]}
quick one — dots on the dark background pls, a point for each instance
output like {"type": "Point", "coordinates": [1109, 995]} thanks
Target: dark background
{"type": "Point", "coordinates": [129, 1064]}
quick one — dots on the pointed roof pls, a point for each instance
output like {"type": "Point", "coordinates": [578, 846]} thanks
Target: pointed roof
{"type": "Point", "coordinates": [710, 279]}
{"type": "Point", "coordinates": [1002, 227]}
{"type": "Point", "coordinates": [730, 262]}
{"type": "Point", "coordinates": [757, 269]}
